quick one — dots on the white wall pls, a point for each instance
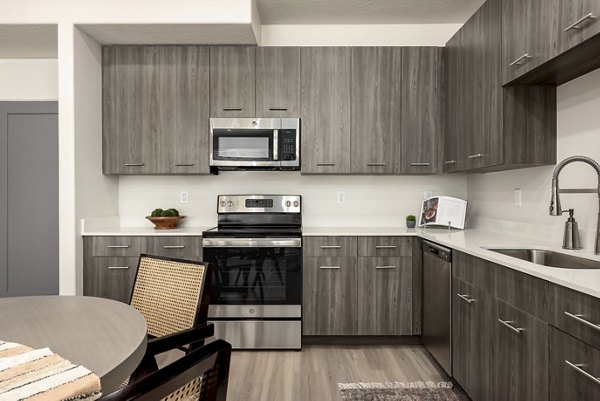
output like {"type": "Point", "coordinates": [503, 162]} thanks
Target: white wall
{"type": "Point", "coordinates": [370, 200]}
{"type": "Point", "coordinates": [358, 35]}
{"type": "Point", "coordinates": [492, 195]}
{"type": "Point", "coordinates": [29, 79]}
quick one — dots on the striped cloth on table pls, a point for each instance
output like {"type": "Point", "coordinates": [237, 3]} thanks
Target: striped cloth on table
{"type": "Point", "coordinates": [39, 374]}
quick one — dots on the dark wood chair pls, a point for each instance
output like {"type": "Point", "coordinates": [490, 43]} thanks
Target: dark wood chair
{"type": "Point", "coordinates": [173, 296]}
{"type": "Point", "coordinates": [200, 375]}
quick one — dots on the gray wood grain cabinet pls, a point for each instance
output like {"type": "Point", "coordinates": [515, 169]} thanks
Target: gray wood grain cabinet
{"type": "Point", "coordinates": [493, 127]}
{"type": "Point", "coordinates": [577, 22]}
{"type": "Point", "coordinates": [376, 110]}
{"type": "Point", "coordinates": [325, 109]}
{"type": "Point", "coordinates": [573, 367]}
{"type": "Point", "coordinates": [155, 109]}
{"type": "Point", "coordinates": [422, 109]}
{"type": "Point", "coordinates": [529, 32]}
{"type": "Point", "coordinates": [278, 81]}
{"type": "Point", "coordinates": [232, 81]}
{"type": "Point", "coordinates": [455, 84]}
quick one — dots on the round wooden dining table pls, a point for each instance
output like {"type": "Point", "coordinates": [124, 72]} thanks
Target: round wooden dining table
{"type": "Point", "coordinates": [105, 336]}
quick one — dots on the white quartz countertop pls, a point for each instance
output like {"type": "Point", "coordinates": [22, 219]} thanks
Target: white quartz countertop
{"type": "Point", "coordinates": [474, 241]}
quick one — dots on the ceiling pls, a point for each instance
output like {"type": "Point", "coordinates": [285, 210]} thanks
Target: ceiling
{"type": "Point", "coordinates": [28, 41]}
{"type": "Point", "coordinates": [366, 11]}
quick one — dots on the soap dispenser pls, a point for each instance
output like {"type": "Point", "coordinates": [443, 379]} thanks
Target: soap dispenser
{"type": "Point", "coordinates": [571, 238]}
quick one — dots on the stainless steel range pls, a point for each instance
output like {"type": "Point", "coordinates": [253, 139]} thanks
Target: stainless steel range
{"type": "Point", "coordinates": [256, 253]}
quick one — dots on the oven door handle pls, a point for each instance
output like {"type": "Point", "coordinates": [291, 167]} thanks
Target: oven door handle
{"type": "Point", "coordinates": [252, 242]}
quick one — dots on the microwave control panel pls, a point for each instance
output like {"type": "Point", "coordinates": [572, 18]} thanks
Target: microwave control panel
{"type": "Point", "coordinates": [287, 144]}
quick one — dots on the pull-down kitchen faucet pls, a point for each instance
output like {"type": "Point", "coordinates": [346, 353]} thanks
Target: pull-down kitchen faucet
{"type": "Point", "coordinates": [556, 210]}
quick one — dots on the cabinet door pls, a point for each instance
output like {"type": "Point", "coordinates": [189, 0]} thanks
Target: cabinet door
{"type": "Point", "coordinates": [455, 84]}
{"type": "Point", "coordinates": [376, 109]}
{"type": "Point", "coordinates": [573, 367]}
{"type": "Point", "coordinates": [483, 37]}
{"type": "Point", "coordinates": [232, 81]}
{"type": "Point", "coordinates": [577, 22]}
{"type": "Point", "coordinates": [329, 301]}
{"type": "Point", "coordinates": [385, 296]}
{"type": "Point", "coordinates": [471, 343]}
{"type": "Point", "coordinates": [130, 100]}
{"type": "Point", "coordinates": [109, 277]}
{"type": "Point", "coordinates": [183, 81]}
{"type": "Point", "coordinates": [520, 363]}
{"type": "Point", "coordinates": [278, 82]}
{"type": "Point", "coordinates": [421, 109]}
{"type": "Point", "coordinates": [325, 109]}
{"type": "Point", "coordinates": [529, 33]}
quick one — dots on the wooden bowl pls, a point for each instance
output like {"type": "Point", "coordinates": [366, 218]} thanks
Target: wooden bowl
{"type": "Point", "coordinates": [165, 223]}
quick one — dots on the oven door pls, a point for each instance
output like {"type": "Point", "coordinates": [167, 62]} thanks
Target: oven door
{"type": "Point", "coordinates": [244, 142]}
{"type": "Point", "coordinates": [264, 272]}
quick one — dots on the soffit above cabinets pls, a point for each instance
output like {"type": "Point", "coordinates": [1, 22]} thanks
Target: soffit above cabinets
{"type": "Point", "coordinates": [167, 34]}
{"type": "Point", "coordinates": [28, 41]}
{"type": "Point", "coordinates": [366, 11]}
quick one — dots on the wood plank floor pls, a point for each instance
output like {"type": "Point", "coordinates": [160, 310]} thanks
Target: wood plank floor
{"type": "Point", "coordinates": [313, 373]}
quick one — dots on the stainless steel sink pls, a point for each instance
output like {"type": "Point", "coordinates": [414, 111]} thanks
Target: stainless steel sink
{"type": "Point", "coordinates": [549, 258]}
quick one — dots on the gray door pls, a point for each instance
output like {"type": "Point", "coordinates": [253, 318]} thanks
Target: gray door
{"type": "Point", "coordinates": [28, 198]}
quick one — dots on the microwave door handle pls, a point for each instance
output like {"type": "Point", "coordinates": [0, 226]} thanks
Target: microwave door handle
{"type": "Point", "coordinates": [275, 145]}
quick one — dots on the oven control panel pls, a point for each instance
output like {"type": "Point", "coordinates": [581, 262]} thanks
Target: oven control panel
{"type": "Point", "coordinates": [259, 204]}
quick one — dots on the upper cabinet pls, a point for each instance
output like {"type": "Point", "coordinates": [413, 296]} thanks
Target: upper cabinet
{"type": "Point", "coordinates": [376, 109]}
{"type": "Point", "coordinates": [577, 22]}
{"type": "Point", "coordinates": [490, 127]}
{"type": "Point", "coordinates": [325, 109]}
{"type": "Point", "coordinates": [422, 106]}
{"type": "Point", "coordinates": [277, 82]}
{"type": "Point", "coordinates": [232, 81]}
{"type": "Point", "coordinates": [155, 110]}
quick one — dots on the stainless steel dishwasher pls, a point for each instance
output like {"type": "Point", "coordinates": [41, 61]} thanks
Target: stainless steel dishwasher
{"type": "Point", "coordinates": [437, 308]}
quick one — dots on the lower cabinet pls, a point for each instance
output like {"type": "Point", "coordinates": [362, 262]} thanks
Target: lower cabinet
{"type": "Point", "coordinates": [110, 263]}
{"type": "Point", "coordinates": [360, 286]}
{"type": "Point", "coordinates": [329, 306]}
{"type": "Point", "coordinates": [574, 369]}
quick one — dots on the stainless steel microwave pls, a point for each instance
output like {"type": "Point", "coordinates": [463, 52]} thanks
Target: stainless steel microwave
{"type": "Point", "coordinates": [255, 143]}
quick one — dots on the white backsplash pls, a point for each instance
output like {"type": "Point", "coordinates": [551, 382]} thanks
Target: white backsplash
{"type": "Point", "coordinates": [370, 200]}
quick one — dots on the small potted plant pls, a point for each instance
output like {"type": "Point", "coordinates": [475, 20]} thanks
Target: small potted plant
{"type": "Point", "coordinates": [411, 221]}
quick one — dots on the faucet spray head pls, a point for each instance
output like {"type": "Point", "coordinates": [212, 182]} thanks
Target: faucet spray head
{"type": "Point", "coordinates": [555, 208]}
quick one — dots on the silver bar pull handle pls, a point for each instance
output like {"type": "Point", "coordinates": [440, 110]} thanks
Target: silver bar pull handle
{"type": "Point", "coordinates": [420, 164]}
{"type": "Point", "coordinates": [278, 108]}
{"type": "Point", "coordinates": [578, 191]}
{"type": "Point", "coordinates": [476, 156]}
{"type": "Point", "coordinates": [578, 368]}
{"type": "Point", "coordinates": [275, 144]}
{"type": "Point", "coordinates": [329, 267]}
{"type": "Point", "coordinates": [134, 164]}
{"type": "Point", "coordinates": [450, 162]}
{"type": "Point", "coordinates": [521, 60]}
{"type": "Point", "coordinates": [580, 319]}
{"type": "Point", "coordinates": [118, 267]}
{"type": "Point", "coordinates": [325, 164]}
{"type": "Point", "coordinates": [331, 246]}
{"type": "Point", "coordinates": [185, 164]}
{"type": "Point", "coordinates": [232, 109]}
{"type": "Point", "coordinates": [508, 323]}
{"type": "Point", "coordinates": [118, 246]}
{"type": "Point", "coordinates": [465, 297]}
{"type": "Point", "coordinates": [386, 267]}
{"type": "Point", "coordinates": [385, 247]}
{"type": "Point", "coordinates": [173, 246]}
{"type": "Point", "coordinates": [575, 25]}
{"type": "Point", "coordinates": [376, 164]}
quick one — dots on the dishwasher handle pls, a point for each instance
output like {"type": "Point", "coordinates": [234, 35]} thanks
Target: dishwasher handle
{"type": "Point", "coordinates": [437, 251]}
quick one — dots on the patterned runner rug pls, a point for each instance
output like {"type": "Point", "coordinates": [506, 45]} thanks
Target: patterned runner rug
{"type": "Point", "coordinates": [397, 391]}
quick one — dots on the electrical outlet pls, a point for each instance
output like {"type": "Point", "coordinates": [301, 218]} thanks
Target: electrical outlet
{"type": "Point", "coordinates": [183, 197]}
{"type": "Point", "coordinates": [518, 197]}
{"type": "Point", "coordinates": [427, 194]}
{"type": "Point", "coordinates": [341, 197]}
